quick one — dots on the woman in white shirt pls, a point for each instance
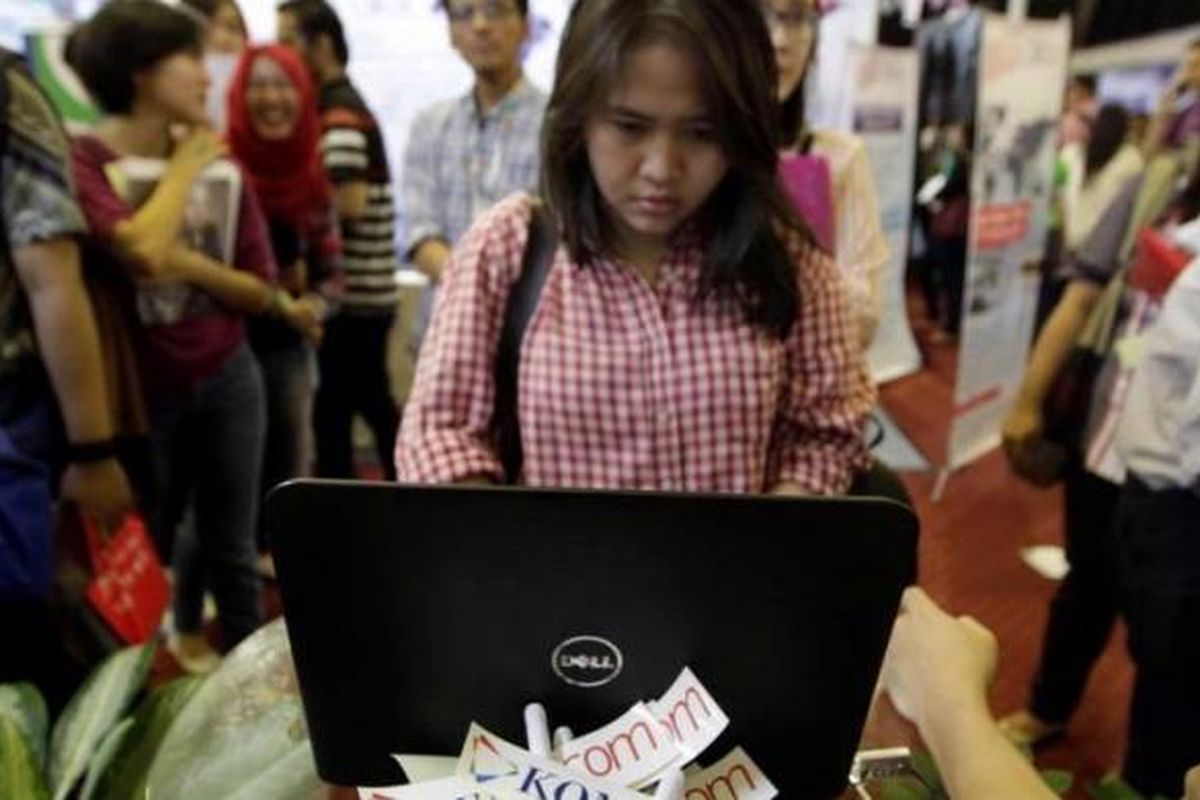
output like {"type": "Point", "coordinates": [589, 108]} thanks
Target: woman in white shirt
{"type": "Point", "coordinates": [1096, 171]}
{"type": "Point", "coordinates": [858, 243]}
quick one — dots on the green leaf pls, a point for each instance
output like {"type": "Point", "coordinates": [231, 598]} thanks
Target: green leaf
{"type": "Point", "coordinates": [24, 705]}
{"type": "Point", "coordinates": [923, 765]}
{"type": "Point", "coordinates": [242, 735]}
{"type": "Point", "coordinates": [903, 789]}
{"type": "Point", "coordinates": [126, 776]}
{"type": "Point", "coordinates": [96, 707]}
{"type": "Point", "coordinates": [20, 776]}
{"type": "Point", "coordinates": [1060, 781]}
{"type": "Point", "coordinates": [1113, 788]}
{"type": "Point", "coordinates": [100, 760]}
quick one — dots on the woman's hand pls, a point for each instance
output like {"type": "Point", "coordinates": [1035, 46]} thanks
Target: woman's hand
{"type": "Point", "coordinates": [1023, 426]}
{"type": "Point", "coordinates": [197, 149]}
{"type": "Point", "coordinates": [307, 316]}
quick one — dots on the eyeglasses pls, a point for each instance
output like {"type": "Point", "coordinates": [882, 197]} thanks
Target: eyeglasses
{"type": "Point", "coordinates": [492, 10]}
{"type": "Point", "coordinates": [795, 18]}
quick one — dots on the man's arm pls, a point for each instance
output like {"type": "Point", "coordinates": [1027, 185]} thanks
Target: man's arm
{"type": "Point", "coordinates": [69, 345]}
{"type": "Point", "coordinates": [427, 246]}
{"type": "Point", "coordinates": [431, 258]}
{"type": "Point", "coordinates": [937, 672]}
{"type": "Point", "coordinates": [351, 200]}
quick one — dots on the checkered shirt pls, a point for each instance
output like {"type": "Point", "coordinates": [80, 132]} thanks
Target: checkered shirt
{"type": "Point", "coordinates": [622, 386]}
{"type": "Point", "coordinates": [459, 163]}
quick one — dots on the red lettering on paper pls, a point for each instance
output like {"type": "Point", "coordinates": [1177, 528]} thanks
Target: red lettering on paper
{"type": "Point", "coordinates": [710, 791]}
{"type": "Point", "coordinates": [671, 723]}
{"type": "Point", "coordinates": [618, 753]}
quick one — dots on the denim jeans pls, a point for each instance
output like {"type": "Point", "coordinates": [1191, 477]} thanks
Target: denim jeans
{"type": "Point", "coordinates": [290, 380]}
{"type": "Point", "coordinates": [207, 449]}
{"type": "Point", "coordinates": [354, 380]}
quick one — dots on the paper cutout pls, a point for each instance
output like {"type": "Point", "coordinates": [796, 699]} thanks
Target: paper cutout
{"type": "Point", "coordinates": [632, 750]}
{"type": "Point", "coordinates": [507, 771]}
{"type": "Point", "coordinates": [690, 714]}
{"type": "Point", "coordinates": [734, 777]}
{"type": "Point", "coordinates": [420, 769]}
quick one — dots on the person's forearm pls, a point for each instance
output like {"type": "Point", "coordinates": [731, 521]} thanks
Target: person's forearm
{"type": "Point", "coordinates": [1156, 131]}
{"type": "Point", "coordinates": [431, 257]}
{"type": "Point", "coordinates": [147, 238]}
{"type": "Point", "coordinates": [352, 200]}
{"type": "Point", "coordinates": [976, 761]}
{"type": "Point", "coordinates": [67, 337]}
{"type": "Point", "coordinates": [238, 290]}
{"type": "Point", "coordinates": [1054, 343]}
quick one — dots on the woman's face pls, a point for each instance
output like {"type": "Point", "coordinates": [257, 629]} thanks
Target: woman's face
{"type": "Point", "coordinates": [225, 32]}
{"type": "Point", "coordinates": [793, 27]}
{"type": "Point", "coordinates": [272, 100]}
{"type": "Point", "coordinates": [178, 86]}
{"type": "Point", "coordinates": [654, 151]}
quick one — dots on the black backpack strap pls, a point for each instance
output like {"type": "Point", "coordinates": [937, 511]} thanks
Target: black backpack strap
{"type": "Point", "coordinates": [523, 300]}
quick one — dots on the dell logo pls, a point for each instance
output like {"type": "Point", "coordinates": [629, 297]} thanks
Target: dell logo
{"type": "Point", "coordinates": [587, 661]}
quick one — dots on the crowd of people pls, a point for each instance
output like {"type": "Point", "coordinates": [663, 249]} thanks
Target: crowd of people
{"type": "Point", "coordinates": [696, 326]}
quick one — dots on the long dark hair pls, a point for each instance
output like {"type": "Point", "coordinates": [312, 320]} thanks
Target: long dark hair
{"type": "Point", "coordinates": [746, 217]}
{"type": "Point", "coordinates": [1108, 136]}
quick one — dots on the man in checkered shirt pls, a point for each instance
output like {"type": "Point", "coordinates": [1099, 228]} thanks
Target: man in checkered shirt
{"type": "Point", "coordinates": [465, 155]}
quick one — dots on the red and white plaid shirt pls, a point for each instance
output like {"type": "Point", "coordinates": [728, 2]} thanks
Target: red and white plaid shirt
{"type": "Point", "coordinates": [623, 386]}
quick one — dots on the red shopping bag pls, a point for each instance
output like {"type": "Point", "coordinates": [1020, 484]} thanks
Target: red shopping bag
{"type": "Point", "coordinates": [129, 588]}
{"type": "Point", "coordinates": [1157, 263]}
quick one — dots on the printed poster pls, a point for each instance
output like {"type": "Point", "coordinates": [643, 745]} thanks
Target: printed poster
{"type": "Point", "coordinates": [885, 118]}
{"type": "Point", "coordinates": [1023, 68]}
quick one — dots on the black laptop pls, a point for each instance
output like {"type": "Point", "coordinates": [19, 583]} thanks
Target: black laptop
{"type": "Point", "coordinates": [413, 611]}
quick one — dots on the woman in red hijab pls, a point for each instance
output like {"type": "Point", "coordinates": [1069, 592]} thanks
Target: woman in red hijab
{"type": "Point", "coordinates": [275, 133]}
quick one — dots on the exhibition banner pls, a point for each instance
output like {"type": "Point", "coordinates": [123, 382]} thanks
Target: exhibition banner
{"type": "Point", "coordinates": [1022, 72]}
{"type": "Point", "coordinates": [44, 52]}
{"type": "Point", "coordinates": [885, 117]}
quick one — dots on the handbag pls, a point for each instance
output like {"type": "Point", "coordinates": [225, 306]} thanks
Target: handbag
{"type": "Point", "coordinates": [808, 184]}
{"type": "Point", "coordinates": [1065, 407]}
{"type": "Point", "coordinates": [523, 300]}
{"type": "Point", "coordinates": [128, 588]}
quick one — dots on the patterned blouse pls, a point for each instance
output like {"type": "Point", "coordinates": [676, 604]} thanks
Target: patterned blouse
{"type": "Point", "coordinates": [625, 386]}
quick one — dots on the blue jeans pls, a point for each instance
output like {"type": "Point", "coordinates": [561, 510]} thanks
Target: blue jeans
{"type": "Point", "coordinates": [290, 380]}
{"type": "Point", "coordinates": [208, 448]}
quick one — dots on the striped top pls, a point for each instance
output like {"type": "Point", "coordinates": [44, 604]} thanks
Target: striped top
{"type": "Point", "coordinates": [353, 149]}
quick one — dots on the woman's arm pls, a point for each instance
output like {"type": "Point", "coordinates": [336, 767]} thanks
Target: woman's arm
{"type": "Point", "coordinates": [446, 434]}
{"type": "Point", "coordinates": [144, 240]}
{"type": "Point", "coordinates": [818, 437]}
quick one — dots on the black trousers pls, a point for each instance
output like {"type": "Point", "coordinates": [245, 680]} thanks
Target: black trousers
{"type": "Point", "coordinates": [1159, 538]}
{"type": "Point", "coordinates": [353, 380]}
{"type": "Point", "coordinates": [1084, 609]}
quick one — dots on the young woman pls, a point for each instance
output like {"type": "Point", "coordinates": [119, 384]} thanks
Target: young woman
{"type": "Point", "coordinates": [688, 336]}
{"type": "Point", "coordinates": [859, 245]}
{"type": "Point", "coordinates": [1096, 172]}
{"type": "Point", "coordinates": [1085, 607]}
{"type": "Point", "coordinates": [141, 61]}
{"type": "Point", "coordinates": [275, 135]}
{"type": "Point", "coordinates": [225, 27]}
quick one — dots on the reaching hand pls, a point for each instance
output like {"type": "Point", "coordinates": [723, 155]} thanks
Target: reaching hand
{"type": "Point", "coordinates": [936, 663]}
{"type": "Point", "coordinates": [307, 315]}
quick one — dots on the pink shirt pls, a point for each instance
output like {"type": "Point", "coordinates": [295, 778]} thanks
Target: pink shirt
{"type": "Point", "coordinates": [623, 386]}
